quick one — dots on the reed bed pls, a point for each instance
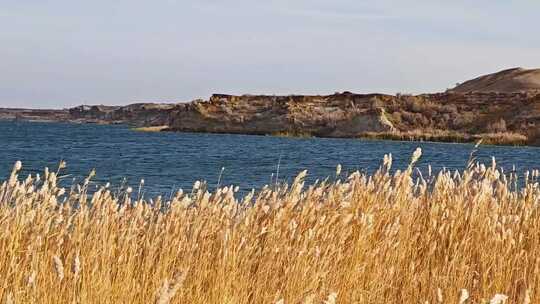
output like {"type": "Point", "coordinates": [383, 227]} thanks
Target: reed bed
{"type": "Point", "coordinates": [501, 138]}
{"type": "Point", "coordinates": [389, 237]}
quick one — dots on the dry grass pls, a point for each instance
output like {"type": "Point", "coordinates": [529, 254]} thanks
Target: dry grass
{"type": "Point", "coordinates": [384, 238]}
{"type": "Point", "coordinates": [501, 138]}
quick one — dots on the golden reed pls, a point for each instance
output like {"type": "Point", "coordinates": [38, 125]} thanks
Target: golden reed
{"type": "Point", "coordinates": [390, 237]}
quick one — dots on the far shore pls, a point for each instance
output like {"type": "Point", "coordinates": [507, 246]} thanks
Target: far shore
{"type": "Point", "coordinates": [499, 139]}
{"type": "Point", "coordinates": [502, 115]}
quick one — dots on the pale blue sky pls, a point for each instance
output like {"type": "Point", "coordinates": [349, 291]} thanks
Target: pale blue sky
{"type": "Point", "coordinates": [60, 53]}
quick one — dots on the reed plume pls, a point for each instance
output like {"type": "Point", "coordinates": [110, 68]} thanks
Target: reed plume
{"type": "Point", "coordinates": [392, 236]}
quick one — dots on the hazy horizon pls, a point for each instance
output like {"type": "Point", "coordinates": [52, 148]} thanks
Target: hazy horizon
{"type": "Point", "coordinates": [62, 53]}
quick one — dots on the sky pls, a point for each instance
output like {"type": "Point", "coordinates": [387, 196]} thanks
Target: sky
{"type": "Point", "coordinates": [62, 53]}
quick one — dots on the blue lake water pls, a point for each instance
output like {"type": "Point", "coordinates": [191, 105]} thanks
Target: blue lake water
{"type": "Point", "coordinates": [168, 161]}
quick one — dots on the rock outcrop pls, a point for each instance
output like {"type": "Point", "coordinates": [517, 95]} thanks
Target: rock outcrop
{"type": "Point", "coordinates": [512, 117]}
{"type": "Point", "coordinates": [338, 115]}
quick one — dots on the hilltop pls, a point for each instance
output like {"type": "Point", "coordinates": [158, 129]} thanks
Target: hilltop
{"type": "Point", "coordinates": [507, 81]}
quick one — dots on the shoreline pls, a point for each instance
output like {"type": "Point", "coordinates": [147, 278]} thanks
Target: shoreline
{"type": "Point", "coordinates": [487, 139]}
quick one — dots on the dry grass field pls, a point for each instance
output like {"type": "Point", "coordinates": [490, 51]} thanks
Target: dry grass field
{"type": "Point", "coordinates": [445, 237]}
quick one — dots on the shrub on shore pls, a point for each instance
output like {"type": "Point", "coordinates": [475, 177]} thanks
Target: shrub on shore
{"type": "Point", "coordinates": [449, 237]}
{"type": "Point", "coordinates": [501, 138]}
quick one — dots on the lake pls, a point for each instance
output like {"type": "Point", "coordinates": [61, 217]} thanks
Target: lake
{"type": "Point", "coordinates": [168, 161]}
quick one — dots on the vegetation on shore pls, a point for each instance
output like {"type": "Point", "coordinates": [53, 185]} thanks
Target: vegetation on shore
{"type": "Point", "coordinates": [293, 133]}
{"type": "Point", "coordinates": [500, 138]}
{"type": "Point", "coordinates": [449, 237]}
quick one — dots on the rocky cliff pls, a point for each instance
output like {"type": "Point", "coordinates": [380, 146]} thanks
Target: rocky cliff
{"type": "Point", "coordinates": [510, 118]}
{"type": "Point", "coordinates": [339, 115]}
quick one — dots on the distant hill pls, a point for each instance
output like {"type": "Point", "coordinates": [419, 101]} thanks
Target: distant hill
{"type": "Point", "coordinates": [507, 81]}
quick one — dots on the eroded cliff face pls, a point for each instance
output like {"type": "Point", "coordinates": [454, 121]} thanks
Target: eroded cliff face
{"type": "Point", "coordinates": [339, 115]}
{"type": "Point", "coordinates": [443, 116]}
